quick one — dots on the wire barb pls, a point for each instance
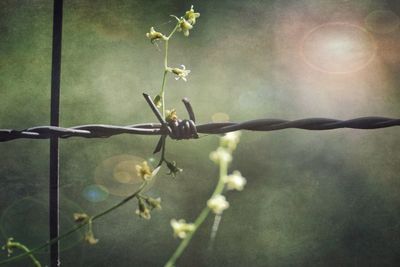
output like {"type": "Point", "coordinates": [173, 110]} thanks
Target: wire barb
{"type": "Point", "coordinates": [184, 129]}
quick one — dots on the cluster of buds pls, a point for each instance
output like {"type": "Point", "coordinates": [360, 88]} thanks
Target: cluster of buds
{"type": "Point", "coordinates": [217, 204]}
{"type": "Point", "coordinates": [221, 155]}
{"type": "Point", "coordinates": [226, 147]}
{"type": "Point", "coordinates": [154, 35]}
{"type": "Point", "coordinates": [170, 115]}
{"type": "Point", "coordinates": [185, 23]}
{"type": "Point", "coordinates": [181, 228]}
{"type": "Point", "coordinates": [230, 140]}
{"type": "Point", "coordinates": [90, 239]}
{"type": "Point", "coordinates": [235, 181]}
{"type": "Point", "coordinates": [146, 205]}
{"type": "Point", "coordinates": [143, 171]}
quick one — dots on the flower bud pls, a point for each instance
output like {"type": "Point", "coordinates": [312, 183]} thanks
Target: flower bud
{"type": "Point", "coordinates": [90, 239]}
{"type": "Point", "coordinates": [154, 35]}
{"type": "Point", "coordinates": [181, 228]}
{"type": "Point", "coordinates": [154, 203]}
{"type": "Point", "coordinates": [80, 217]}
{"type": "Point", "coordinates": [235, 181]}
{"type": "Point", "coordinates": [191, 16]}
{"type": "Point", "coordinates": [220, 155]}
{"type": "Point", "coordinates": [218, 204]}
{"type": "Point", "coordinates": [143, 171]}
{"type": "Point", "coordinates": [143, 211]}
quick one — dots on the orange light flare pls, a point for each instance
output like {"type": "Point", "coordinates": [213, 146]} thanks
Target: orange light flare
{"type": "Point", "coordinates": [118, 174]}
{"type": "Point", "coordinates": [335, 68]}
{"type": "Point", "coordinates": [338, 48]}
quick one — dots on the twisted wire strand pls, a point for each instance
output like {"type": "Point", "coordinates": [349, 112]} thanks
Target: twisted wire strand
{"type": "Point", "coordinates": [186, 129]}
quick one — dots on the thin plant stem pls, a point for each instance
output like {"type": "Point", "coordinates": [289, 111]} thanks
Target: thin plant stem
{"type": "Point", "coordinates": [16, 245]}
{"type": "Point", "coordinates": [223, 170]}
{"type": "Point", "coordinates": [162, 92]}
{"type": "Point", "coordinates": [76, 228]}
{"type": "Point", "coordinates": [166, 69]}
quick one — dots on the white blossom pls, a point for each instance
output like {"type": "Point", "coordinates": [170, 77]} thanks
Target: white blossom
{"type": "Point", "coordinates": [184, 26]}
{"type": "Point", "coordinates": [181, 72]}
{"type": "Point", "coordinates": [153, 35]}
{"type": "Point", "coordinates": [230, 140]}
{"type": "Point", "coordinates": [181, 228]}
{"type": "Point", "coordinates": [191, 16]}
{"type": "Point", "coordinates": [145, 214]}
{"type": "Point", "coordinates": [235, 181]}
{"type": "Point", "coordinates": [143, 171]}
{"type": "Point", "coordinates": [218, 204]}
{"type": "Point", "coordinates": [221, 155]}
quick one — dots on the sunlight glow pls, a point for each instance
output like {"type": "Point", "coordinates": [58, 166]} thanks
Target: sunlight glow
{"type": "Point", "coordinates": [338, 48]}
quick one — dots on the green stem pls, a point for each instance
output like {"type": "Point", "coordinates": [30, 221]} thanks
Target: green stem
{"type": "Point", "coordinates": [162, 91]}
{"type": "Point", "coordinates": [16, 245]}
{"type": "Point", "coordinates": [166, 68]}
{"type": "Point", "coordinates": [76, 228]}
{"type": "Point", "coordinates": [223, 171]}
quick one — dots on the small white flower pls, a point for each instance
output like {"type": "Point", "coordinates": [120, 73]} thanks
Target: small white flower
{"type": "Point", "coordinates": [218, 204]}
{"type": "Point", "coordinates": [184, 26]}
{"type": "Point", "coordinates": [153, 35]}
{"type": "Point", "coordinates": [145, 214]}
{"type": "Point", "coordinates": [181, 72]}
{"type": "Point", "coordinates": [230, 140]}
{"type": "Point", "coordinates": [235, 181]}
{"type": "Point", "coordinates": [143, 211]}
{"type": "Point", "coordinates": [220, 155]}
{"type": "Point", "coordinates": [143, 171]}
{"type": "Point", "coordinates": [191, 16]}
{"type": "Point", "coordinates": [90, 239]}
{"type": "Point", "coordinates": [154, 203]}
{"type": "Point", "coordinates": [181, 228]}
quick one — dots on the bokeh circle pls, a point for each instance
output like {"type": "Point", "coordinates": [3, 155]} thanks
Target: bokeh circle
{"type": "Point", "coordinates": [118, 174]}
{"type": "Point", "coordinates": [338, 48]}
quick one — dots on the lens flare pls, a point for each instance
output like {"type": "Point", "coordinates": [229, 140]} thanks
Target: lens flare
{"type": "Point", "coordinates": [220, 117]}
{"type": "Point", "coordinates": [95, 193]}
{"type": "Point", "coordinates": [118, 174]}
{"type": "Point", "coordinates": [152, 162]}
{"type": "Point", "coordinates": [338, 48]}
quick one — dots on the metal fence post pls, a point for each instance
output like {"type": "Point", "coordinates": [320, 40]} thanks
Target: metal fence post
{"type": "Point", "coordinates": [54, 121]}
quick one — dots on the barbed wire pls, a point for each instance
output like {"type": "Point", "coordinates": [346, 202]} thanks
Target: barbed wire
{"type": "Point", "coordinates": [187, 129]}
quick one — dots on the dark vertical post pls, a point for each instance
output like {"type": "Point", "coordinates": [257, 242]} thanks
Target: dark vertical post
{"type": "Point", "coordinates": [54, 121]}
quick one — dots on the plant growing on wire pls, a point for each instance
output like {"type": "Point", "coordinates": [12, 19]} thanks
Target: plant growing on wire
{"type": "Point", "coordinates": [179, 129]}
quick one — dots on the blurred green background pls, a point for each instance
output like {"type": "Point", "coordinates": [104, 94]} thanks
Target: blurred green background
{"type": "Point", "coordinates": [313, 198]}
